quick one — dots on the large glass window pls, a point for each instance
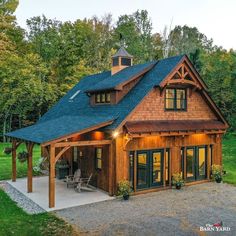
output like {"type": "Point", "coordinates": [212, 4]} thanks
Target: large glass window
{"type": "Point", "coordinates": [175, 99]}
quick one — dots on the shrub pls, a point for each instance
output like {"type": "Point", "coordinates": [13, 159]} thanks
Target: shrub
{"type": "Point", "coordinates": [124, 188]}
{"type": "Point", "coordinates": [217, 172]}
{"type": "Point", "coordinates": [177, 180]}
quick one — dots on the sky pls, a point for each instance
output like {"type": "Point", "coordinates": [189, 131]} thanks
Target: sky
{"type": "Point", "coordinates": [215, 18]}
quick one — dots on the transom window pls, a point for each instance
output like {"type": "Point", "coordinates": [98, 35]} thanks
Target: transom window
{"type": "Point", "coordinates": [103, 98]}
{"type": "Point", "coordinates": [98, 158]}
{"type": "Point", "coordinates": [175, 99]}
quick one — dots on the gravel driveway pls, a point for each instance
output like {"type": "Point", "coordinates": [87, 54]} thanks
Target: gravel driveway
{"type": "Point", "coordinates": [170, 212]}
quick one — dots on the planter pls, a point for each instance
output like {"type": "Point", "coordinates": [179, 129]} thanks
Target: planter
{"type": "Point", "coordinates": [178, 186]}
{"type": "Point", "coordinates": [126, 197]}
{"type": "Point", "coordinates": [22, 156]}
{"type": "Point", "coordinates": [7, 150]}
{"type": "Point", "coordinates": [218, 180]}
{"type": "Point", "coordinates": [62, 172]}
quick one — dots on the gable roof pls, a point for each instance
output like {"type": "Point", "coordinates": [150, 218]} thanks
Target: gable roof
{"type": "Point", "coordinates": [74, 115]}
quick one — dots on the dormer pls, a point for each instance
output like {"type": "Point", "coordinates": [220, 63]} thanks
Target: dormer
{"type": "Point", "coordinates": [121, 60]}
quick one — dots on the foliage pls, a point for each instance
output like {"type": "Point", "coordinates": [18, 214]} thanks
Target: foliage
{"type": "Point", "coordinates": [40, 65]}
{"type": "Point", "coordinates": [124, 188]}
{"type": "Point", "coordinates": [14, 221]}
{"type": "Point", "coordinates": [216, 172]}
{"type": "Point", "coordinates": [177, 180]}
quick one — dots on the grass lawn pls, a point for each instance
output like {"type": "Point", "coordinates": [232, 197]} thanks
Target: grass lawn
{"type": "Point", "coordinates": [229, 159]}
{"type": "Point", "coordinates": [5, 161]}
{"type": "Point", "coordinates": [14, 221]}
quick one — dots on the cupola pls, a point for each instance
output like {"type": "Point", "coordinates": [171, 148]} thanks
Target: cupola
{"type": "Point", "coordinates": [121, 60]}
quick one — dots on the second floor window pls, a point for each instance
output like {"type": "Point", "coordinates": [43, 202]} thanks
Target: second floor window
{"type": "Point", "coordinates": [176, 99]}
{"type": "Point", "coordinates": [103, 98]}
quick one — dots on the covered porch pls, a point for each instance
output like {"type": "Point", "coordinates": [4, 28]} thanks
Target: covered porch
{"type": "Point", "coordinates": [65, 197]}
{"type": "Point", "coordinates": [56, 146]}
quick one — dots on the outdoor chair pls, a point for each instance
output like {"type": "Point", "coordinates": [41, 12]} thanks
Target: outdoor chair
{"type": "Point", "coordinates": [83, 184]}
{"type": "Point", "coordinates": [73, 180]}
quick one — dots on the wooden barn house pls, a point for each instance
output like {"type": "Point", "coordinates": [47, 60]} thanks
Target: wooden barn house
{"type": "Point", "coordinates": [142, 123]}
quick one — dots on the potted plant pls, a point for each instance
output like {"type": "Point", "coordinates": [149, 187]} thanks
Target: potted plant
{"type": "Point", "coordinates": [7, 150]}
{"type": "Point", "coordinates": [22, 156]}
{"type": "Point", "coordinates": [177, 180]}
{"type": "Point", "coordinates": [62, 169]}
{"type": "Point", "coordinates": [217, 173]}
{"type": "Point", "coordinates": [124, 189]}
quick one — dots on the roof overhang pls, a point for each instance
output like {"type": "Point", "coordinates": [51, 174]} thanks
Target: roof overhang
{"type": "Point", "coordinates": [172, 126]}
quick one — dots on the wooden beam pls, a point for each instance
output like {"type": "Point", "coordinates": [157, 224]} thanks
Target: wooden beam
{"type": "Point", "coordinates": [29, 147]}
{"type": "Point", "coordinates": [14, 161]}
{"type": "Point", "coordinates": [209, 161]}
{"type": "Point", "coordinates": [83, 143]}
{"type": "Point", "coordinates": [61, 152]}
{"type": "Point", "coordinates": [77, 133]}
{"type": "Point", "coordinates": [52, 177]}
{"type": "Point", "coordinates": [170, 168]}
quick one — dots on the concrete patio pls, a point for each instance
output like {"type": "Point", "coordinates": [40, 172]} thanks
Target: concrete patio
{"type": "Point", "coordinates": [65, 197]}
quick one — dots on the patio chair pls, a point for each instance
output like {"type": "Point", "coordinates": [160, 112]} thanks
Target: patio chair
{"type": "Point", "coordinates": [83, 184]}
{"type": "Point", "coordinates": [73, 180]}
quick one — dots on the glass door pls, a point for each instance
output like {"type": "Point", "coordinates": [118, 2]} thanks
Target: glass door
{"type": "Point", "coordinates": [201, 162]}
{"type": "Point", "coordinates": [156, 165]}
{"type": "Point", "coordinates": [190, 164]}
{"type": "Point", "coordinates": [142, 169]}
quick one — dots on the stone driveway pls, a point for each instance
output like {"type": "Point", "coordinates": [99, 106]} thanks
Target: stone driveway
{"type": "Point", "coordinates": [170, 212]}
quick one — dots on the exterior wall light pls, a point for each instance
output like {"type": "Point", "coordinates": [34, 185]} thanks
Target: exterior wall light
{"type": "Point", "coordinates": [115, 134]}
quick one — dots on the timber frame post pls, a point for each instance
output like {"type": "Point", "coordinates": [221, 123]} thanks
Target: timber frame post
{"type": "Point", "coordinates": [29, 147]}
{"type": "Point", "coordinates": [52, 176]}
{"type": "Point", "coordinates": [15, 145]}
{"type": "Point", "coordinates": [111, 170]}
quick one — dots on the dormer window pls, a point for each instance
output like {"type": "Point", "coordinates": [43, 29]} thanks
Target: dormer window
{"type": "Point", "coordinates": [102, 98]}
{"type": "Point", "coordinates": [175, 99]}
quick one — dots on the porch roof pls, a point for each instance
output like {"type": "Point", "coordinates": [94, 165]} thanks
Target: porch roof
{"type": "Point", "coordinates": [173, 126]}
{"type": "Point", "coordinates": [53, 129]}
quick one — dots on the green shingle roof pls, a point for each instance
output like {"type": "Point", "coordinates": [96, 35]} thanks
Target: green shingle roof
{"type": "Point", "coordinates": [73, 115]}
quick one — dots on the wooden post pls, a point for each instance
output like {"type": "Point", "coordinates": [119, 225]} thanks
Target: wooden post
{"type": "Point", "coordinates": [29, 147]}
{"type": "Point", "coordinates": [111, 170]}
{"type": "Point", "coordinates": [52, 176]}
{"type": "Point", "coordinates": [13, 161]}
{"type": "Point", "coordinates": [164, 169]}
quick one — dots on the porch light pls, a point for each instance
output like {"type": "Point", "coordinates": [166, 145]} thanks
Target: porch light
{"type": "Point", "coordinates": [115, 134]}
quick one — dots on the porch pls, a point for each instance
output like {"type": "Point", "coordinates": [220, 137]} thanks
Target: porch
{"type": "Point", "coordinates": [65, 197]}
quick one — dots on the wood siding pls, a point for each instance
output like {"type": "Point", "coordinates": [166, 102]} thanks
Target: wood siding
{"type": "Point", "coordinates": [153, 108]}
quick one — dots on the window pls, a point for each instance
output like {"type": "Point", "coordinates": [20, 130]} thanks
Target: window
{"type": "Point", "coordinates": [175, 99]}
{"type": "Point", "coordinates": [103, 98]}
{"type": "Point", "coordinates": [125, 61]}
{"type": "Point", "coordinates": [115, 61]}
{"type": "Point", "coordinates": [98, 158]}
{"type": "Point", "coordinates": [131, 168]}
